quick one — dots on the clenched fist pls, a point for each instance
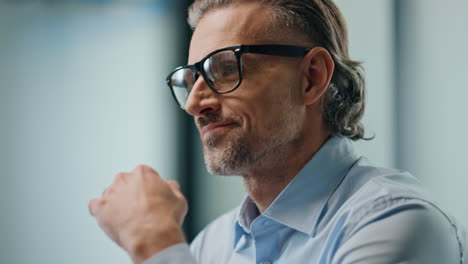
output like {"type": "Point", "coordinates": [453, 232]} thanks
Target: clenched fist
{"type": "Point", "coordinates": [141, 212]}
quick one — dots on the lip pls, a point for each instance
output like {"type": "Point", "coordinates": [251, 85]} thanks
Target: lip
{"type": "Point", "coordinates": [214, 128]}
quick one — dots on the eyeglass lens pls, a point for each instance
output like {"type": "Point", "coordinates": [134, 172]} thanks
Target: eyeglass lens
{"type": "Point", "coordinates": [221, 71]}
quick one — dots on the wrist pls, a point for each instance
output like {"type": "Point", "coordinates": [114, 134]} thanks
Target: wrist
{"type": "Point", "coordinates": [144, 249]}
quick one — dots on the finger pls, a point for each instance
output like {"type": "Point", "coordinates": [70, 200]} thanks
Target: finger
{"type": "Point", "coordinates": [95, 205]}
{"type": "Point", "coordinates": [121, 176]}
{"type": "Point", "coordinates": [147, 173]}
{"type": "Point", "coordinates": [174, 184]}
{"type": "Point", "coordinates": [142, 169]}
{"type": "Point", "coordinates": [175, 187]}
{"type": "Point", "coordinates": [106, 192]}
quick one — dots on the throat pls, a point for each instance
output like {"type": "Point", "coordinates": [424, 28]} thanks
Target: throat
{"type": "Point", "coordinates": [263, 190]}
{"type": "Point", "coordinates": [270, 177]}
{"type": "Point", "coordinates": [276, 170]}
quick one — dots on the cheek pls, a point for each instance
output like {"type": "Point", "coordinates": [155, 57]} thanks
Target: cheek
{"type": "Point", "coordinates": [263, 98]}
{"type": "Point", "coordinates": [266, 115]}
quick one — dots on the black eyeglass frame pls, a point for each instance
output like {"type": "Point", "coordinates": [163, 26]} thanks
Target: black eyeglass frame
{"type": "Point", "coordinates": [275, 50]}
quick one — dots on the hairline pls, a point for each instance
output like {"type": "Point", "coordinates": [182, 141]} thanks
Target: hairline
{"type": "Point", "coordinates": [270, 32]}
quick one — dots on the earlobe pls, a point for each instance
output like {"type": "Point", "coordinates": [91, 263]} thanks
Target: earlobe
{"type": "Point", "coordinates": [318, 70]}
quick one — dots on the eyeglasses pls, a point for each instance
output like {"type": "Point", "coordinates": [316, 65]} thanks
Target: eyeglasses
{"type": "Point", "coordinates": [222, 69]}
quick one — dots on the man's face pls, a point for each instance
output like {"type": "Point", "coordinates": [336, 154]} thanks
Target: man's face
{"type": "Point", "coordinates": [244, 130]}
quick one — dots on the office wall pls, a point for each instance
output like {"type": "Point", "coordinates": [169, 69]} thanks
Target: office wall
{"type": "Point", "coordinates": [82, 97]}
{"type": "Point", "coordinates": [433, 90]}
{"type": "Point", "coordinates": [372, 41]}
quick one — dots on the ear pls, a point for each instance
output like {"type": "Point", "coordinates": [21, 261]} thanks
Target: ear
{"type": "Point", "coordinates": [317, 71]}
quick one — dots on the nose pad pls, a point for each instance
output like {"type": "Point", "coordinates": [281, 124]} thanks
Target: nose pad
{"type": "Point", "coordinates": [195, 75]}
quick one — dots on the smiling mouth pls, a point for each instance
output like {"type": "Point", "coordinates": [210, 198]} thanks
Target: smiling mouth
{"type": "Point", "coordinates": [215, 130]}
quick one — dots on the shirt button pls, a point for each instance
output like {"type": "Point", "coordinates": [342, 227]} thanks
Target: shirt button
{"type": "Point", "coordinates": [267, 223]}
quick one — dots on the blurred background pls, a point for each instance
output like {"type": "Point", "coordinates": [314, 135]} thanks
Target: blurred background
{"type": "Point", "coordinates": [83, 97]}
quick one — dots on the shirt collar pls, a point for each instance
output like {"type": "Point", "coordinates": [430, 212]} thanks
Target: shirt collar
{"type": "Point", "coordinates": [300, 204]}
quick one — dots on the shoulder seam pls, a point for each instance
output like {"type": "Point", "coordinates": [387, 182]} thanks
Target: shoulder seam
{"type": "Point", "coordinates": [385, 202]}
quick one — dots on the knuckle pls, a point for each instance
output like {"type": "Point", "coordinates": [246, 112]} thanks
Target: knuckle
{"type": "Point", "coordinates": [174, 184]}
{"type": "Point", "coordinates": [141, 168]}
{"type": "Point", "coordinates": [91, 208]}
{"type": "Point", "coordinates": [107, 191]}
{"type": "Point", "coordinates": [144, 169]}
{"type": "Point", "coordinates": [120, 176]}
{"type": "Point", "coordinates": [154, 171]}
{"type": "Point", "coordinates": [94, 206]}
{"type": "Point", "coordinates": [183, 202]}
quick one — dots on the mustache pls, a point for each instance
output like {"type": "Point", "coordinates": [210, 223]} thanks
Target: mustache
{"type": "Point", "coordinates": [214, 118]}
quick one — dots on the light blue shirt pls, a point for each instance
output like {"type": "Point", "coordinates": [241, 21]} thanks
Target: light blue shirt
{"type": "Point", "coordinates": [338, 209]}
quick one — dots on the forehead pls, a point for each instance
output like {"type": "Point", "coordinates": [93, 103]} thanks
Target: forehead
{"type": "Point", "coordinates": [235, 24]}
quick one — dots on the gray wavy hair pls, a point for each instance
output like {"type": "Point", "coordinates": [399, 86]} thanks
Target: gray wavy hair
{"type": "Point", "coordinates": [323, 24]}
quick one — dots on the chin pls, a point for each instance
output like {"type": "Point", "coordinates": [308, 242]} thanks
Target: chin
{"type": "Point", "coordinates": [217, 163]}
{"type": "Point", "coordinates": [227, 162]}
{"type": "Point", "coordinates": [227, 154]}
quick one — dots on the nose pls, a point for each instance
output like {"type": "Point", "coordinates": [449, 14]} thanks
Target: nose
{"type": "Point", "coordinates": [201, 99]}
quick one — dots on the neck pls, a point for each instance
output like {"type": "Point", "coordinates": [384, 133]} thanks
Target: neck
{"type": "Point", "coordinates": [275, 171]}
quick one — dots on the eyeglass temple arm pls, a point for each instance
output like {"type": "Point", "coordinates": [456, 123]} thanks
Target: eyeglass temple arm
{"type": "Point", "coordinates": [277, 50]}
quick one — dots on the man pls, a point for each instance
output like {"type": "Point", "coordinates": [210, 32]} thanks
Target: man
{"type": "Point", "coordinates": [277, 99]}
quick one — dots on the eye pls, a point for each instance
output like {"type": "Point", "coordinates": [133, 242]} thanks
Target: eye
{"type": "Point", "coordinates": [229, 68]}
{"type": "Point", "coordinates": [221, 65]}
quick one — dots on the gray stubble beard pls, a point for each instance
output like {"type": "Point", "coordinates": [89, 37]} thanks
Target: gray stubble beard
{"type": "Point", "coordinates": [237, 155]}
{"type": "Point", "coordinates": [229, 158]}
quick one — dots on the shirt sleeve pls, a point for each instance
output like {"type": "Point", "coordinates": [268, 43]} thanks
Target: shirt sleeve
{"type": "Point", "coordinates": [177, 254]}
{"type": "Point", "coordinates": [413, 236]}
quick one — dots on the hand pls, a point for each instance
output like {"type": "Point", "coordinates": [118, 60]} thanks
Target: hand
{"type": "Point", "coordinates": [141, 212]}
